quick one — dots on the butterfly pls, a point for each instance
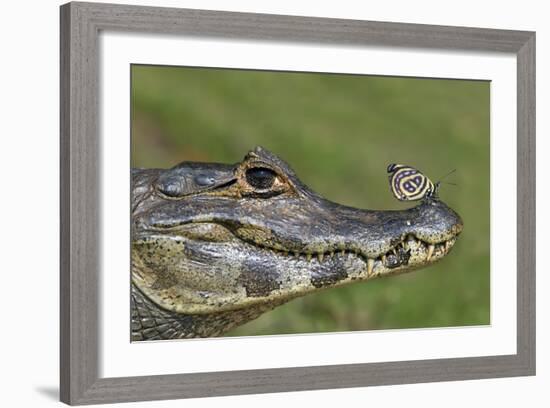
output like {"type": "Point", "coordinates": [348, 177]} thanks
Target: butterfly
{"type": "Point", "coordinates": [409, 184]}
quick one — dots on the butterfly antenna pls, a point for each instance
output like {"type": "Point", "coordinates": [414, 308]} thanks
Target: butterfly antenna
{"type": "Point", "coordinates": [446, 175]}
{"type": "Point", "coordinates": [440, 181]}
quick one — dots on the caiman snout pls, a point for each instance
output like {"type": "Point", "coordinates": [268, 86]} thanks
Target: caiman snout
{"type": "Point", "coordinates": [387, 241]}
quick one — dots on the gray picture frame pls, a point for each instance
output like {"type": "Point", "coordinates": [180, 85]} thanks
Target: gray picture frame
{"type": "Point", "coordinates": [80, 237]}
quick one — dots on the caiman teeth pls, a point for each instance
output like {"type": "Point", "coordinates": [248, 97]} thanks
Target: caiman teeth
{"type": "Point", "coordinates": [408, 244]}
{"type": "Point", "coordinates": [431, 248]}
{"type": "Point", "coordinates": [370, 266]}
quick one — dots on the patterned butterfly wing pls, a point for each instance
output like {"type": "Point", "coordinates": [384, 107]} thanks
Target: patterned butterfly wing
{"type": "Point", "coordinates": [409, 184]}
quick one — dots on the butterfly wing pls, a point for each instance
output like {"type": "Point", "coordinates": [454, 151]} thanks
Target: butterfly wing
{"type": "Point", "coordinates": [408, 184]}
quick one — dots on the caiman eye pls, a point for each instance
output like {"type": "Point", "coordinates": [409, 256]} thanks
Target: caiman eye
{"type": "Point", "coordinates": [260, 178]}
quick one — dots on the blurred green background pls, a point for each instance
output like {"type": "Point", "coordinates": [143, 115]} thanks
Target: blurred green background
{"type": "Point", "coordinates": [339, 132]}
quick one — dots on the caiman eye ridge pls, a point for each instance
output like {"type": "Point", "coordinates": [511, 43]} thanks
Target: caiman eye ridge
{"type": "Point", "coordinates": [397, 256]}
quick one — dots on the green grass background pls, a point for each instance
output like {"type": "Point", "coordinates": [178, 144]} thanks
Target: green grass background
{"type": "Point", "coordinates": [339, 132]}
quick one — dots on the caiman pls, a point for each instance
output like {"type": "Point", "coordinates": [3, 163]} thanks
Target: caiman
{"type": "Point", "coordinates": [217, 245]}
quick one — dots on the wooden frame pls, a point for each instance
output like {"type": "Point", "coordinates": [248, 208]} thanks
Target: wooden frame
{"type": "Point", "coordinates": [80, 234]}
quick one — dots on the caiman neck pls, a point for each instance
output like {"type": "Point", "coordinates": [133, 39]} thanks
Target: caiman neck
{"type": "Point", "coordinates": [151, 322]}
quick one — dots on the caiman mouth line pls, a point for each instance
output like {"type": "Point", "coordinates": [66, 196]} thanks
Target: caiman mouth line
{"type": "Point", "coordinates": [404, 245]}
{"type": "Point", "coordinates": [398, 255]}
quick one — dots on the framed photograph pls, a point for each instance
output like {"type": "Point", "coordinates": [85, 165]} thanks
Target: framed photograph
{"type": "Point", "coordinates": [258, 203]}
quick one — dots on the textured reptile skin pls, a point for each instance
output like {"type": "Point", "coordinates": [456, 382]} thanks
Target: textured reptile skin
{"type": "Point", "coordinates": [150, 322]}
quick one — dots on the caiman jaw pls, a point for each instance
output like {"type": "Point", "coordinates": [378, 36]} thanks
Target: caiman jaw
{"type": "Point", "coordinates": [410, 248]}
{"type": "Point", "coordinates": [408, 251]}
{"type": "Point", "coordinates": [207, 267]}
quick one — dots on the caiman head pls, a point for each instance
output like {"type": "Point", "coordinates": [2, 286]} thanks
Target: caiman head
{"type": "Point", "coordinates": [221, 244]}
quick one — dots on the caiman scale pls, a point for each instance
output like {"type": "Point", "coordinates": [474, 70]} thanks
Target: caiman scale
{"type": "Point", "coordinates": [217, 245]}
